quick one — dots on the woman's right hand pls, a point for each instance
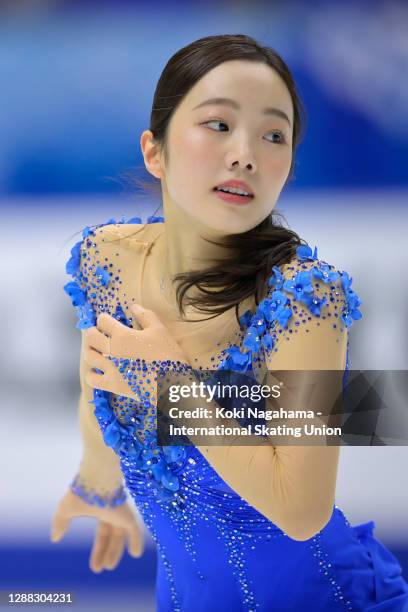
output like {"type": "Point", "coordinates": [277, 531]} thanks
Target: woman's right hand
{"type": "Point", "coordinates": [115, 526]}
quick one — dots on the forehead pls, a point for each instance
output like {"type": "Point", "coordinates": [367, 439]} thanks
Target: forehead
{"type": "Point", "coordinates": [252, 84]}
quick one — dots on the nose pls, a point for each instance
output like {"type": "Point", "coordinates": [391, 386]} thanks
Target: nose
{"type": "Point", "coordinates": [246, 160]}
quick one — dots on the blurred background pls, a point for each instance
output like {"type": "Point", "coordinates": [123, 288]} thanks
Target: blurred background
{"type": "Point", "coordinates": [77, 82]}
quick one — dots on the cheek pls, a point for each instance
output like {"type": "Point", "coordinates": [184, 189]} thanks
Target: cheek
{"type": "Point", "coordinates": [194, 147]}
{"type": "Point", "coordinates": [193, 161]}
{"type": "Point", "coordinates": [278, 166]}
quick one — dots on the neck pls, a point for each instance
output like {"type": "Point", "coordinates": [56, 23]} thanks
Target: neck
{"type": "Point", "coordinates": [183, 244]}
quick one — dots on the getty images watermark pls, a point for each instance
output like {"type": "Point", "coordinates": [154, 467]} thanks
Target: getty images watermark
{"type": "Point", "coordinates": [305, 407]}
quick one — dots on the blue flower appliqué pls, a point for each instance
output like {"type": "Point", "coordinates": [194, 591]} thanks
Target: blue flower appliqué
{"type": "Point", "coordinates": [277, 308]}
{"type": "Point", "coordinates": [86, 316]}
{"type": "Point", "coordinates": [245, 319]}
{"type": "Point", "coordinates": [350, 312]}
{"type": "Point", "coordinates": [301, 286]}
{"type": "Point", "coordinates": [325, 273]}
{"type": "Point", "coordinates": [78, 297]}
{"type": "Point", "coordinates": [237, 360]}
{"type": "Point", "coordinates": [159, 463]}
{"type": "Point", "coordinates": [85, 313]}
{"type": "Point", "coordinates": [314, 304]}
{"type": "Point", "coordinates": [74, 261]}
{"type": "Point", "coordinates": [276, 279]}
{"type": "Point", "coordinates": [305, 252]}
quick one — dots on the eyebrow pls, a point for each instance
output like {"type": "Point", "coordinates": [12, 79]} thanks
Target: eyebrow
{"type": "Point", "coordinates": [229, 102]}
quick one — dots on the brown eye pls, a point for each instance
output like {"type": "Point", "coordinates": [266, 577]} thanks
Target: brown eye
{"type": "Point", "coordinates": [280, 135]}
{"type": "Point", "coordinates": [215, 121]}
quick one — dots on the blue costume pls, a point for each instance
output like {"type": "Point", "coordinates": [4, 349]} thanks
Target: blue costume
{"type": "Point", "coordinates": [215, 551]}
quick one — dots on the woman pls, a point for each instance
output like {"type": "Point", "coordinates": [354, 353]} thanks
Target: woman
{"type": "Point", "coordinates": [237, 527]}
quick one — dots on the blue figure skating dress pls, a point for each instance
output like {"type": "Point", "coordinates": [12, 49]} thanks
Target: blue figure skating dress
{"type": "Point", "coordinates": [215, 551]}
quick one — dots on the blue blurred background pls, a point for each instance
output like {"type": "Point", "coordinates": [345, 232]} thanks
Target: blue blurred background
{"type": "Point", "coordinates": [77, 81]}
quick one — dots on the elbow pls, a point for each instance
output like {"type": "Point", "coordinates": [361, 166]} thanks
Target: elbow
{"type": "Point", "coordinates": [300, 533]}
{"type": "Point", "coordinates": [306, 526]}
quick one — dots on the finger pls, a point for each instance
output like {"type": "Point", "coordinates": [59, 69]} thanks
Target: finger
{"type": "Point", "coordinates": [109, 325]}
{"type": "Point", "coordinates": [95, 359]}
{"type": "Point", "coordinates": [144, 316]}
{"type": "Point", "coordinates": [108, 380]}
{"type": "Point", "coordinates": [135, 541]}
{"type": "Point", "coordinates": [96, 381]}
{"type": "Point", "coordinates": [59, 526]}
{"type": "Point", "coordinates": [100, 546]}
{"type": "Point", "coordinates": [115, 549]}
{"type": "Point", "coordinates": [97, 340]}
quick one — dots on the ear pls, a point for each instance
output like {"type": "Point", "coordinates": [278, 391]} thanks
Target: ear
{"type": "Point", "coordinates": [151, 154]}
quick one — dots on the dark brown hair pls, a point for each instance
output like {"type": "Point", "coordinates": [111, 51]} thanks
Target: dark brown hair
{"type": "Point", "coordinates": [253, 253]}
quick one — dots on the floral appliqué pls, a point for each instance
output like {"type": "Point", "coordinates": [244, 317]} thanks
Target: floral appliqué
{"type": "Point", "coordinates": [160, 464]}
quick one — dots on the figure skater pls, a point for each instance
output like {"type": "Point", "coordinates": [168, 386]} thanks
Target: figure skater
{"type": "Point", "coordinates": [237, 526]}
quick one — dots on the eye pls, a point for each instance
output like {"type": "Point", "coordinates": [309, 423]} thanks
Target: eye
{"type": "Point", "coordinates": [215, 121]}
{"type": "Point", "coordinates": [282, 138]}
{"type": "Point", "coordinates": [280, 134]}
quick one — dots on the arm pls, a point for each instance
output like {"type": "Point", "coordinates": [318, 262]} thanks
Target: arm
{"type": "Point", "coordinates": [99, 479]}
{"type": "Point", "coordinates": [95, 492]}
{"type": "Point", "coordinates": [98, 484]}
{"type": "Point", "coordinates": [294, 486]}
{"type": "Point", "coordinates": [99, 473]}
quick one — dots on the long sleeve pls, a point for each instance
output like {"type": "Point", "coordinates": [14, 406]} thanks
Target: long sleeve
{"type": "Point", "coordinates": [305, 323]}
{"type": "Point", "coordinates": [302, 326]}
{"type": "Point", "coordinates": [99, 479]}
{"type": "Point", "coordinates": [293, 486]}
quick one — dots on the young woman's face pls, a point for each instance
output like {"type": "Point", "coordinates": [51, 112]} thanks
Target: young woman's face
{"type": "Point", "coordinates": [209, 144]}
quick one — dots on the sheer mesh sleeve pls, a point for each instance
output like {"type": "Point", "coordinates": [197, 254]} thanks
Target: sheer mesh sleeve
{"type": "Point", "coordinates": [116, 423]}
{"type": "Point", "coordinates": [99, 479]}
{"type": "Point", "coordinates": [308, 314]}
{"type": "Point", "coordinates": [303, 324]}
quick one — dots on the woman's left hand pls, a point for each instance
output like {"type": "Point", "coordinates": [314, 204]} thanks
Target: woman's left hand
{"type": "Point", "coordinates": [111, 338]}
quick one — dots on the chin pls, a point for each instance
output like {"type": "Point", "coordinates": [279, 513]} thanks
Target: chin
{"type": "Point", "coordinates": [223, 227]}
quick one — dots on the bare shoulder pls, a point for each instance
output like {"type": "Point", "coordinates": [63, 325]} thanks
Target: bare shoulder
{"type": "Point", "coordinates": [128, 233]}
{"type": "Point", "coordinates": [112, 231]}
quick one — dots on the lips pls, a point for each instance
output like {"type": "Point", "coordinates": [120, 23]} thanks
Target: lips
{"type": "Point", "coordinates": [230, 194]}
{"type": "Point", "coordinates": [232, 198]}
{"type": "Point", "coordinates": [237, 184]}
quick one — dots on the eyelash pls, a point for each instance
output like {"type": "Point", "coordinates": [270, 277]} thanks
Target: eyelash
{"type": "Point", "coordinates": [283, 139]}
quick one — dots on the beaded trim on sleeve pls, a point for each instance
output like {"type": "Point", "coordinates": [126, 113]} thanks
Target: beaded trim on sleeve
{"type": "Point", "coordinates": [276, 309]}
{"type": "Point", "coordinates": [161, 464]}
{"type": "Point", "coordinates": [111, 500]}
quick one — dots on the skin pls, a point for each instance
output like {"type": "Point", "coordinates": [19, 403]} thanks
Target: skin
{"type": "Point", "coordinates": [243, 144]}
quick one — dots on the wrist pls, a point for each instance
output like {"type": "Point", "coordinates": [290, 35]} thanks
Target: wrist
{"type": "Point", "coordinates": [142, 376]}
{"type": "Point", "coordinates": [101, 497]}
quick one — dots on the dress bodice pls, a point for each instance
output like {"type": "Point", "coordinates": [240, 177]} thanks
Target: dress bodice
{"type": "Point", "coordinates": [210, 540]}
{"type": "Point", "coordinates": [107, 266]}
